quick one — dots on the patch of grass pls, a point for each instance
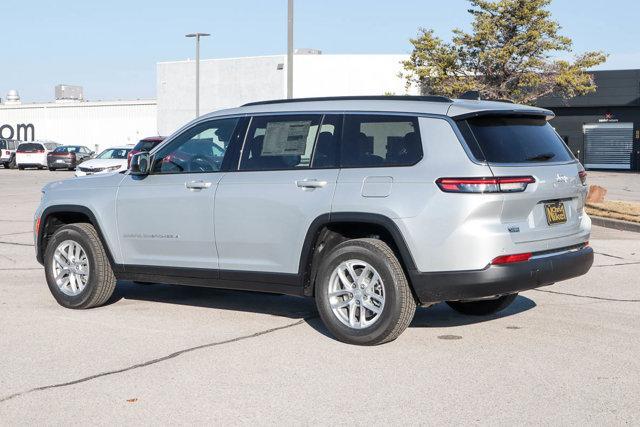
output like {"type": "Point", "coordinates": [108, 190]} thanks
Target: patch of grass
{"type": "Point", "coordinates": [626, 211]}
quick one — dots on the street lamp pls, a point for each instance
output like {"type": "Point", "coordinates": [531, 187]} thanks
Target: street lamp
{"type": "Point", "coordinates": [197, 37]}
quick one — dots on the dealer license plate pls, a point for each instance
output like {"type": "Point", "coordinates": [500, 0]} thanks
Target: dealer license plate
{"type": "Point", "coordinates": [555, 213]}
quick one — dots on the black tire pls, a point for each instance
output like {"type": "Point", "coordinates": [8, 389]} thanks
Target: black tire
{"type": "Point", "coordinates": [20, 167]}
{"type": "Point", "coordinates": [6, 165]}
{"type": "Point", "coordinates": [399, 306]}
{"type": "Point", "coordinates": [52, 169]}
{"type": "Point", "coordinates": [101, 282]}
{"type": "Point", "coordinates": [483, 307]}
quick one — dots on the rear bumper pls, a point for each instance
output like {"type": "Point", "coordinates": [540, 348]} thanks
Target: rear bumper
{"type": "Point", "coordinates": [541, 270]}
{"type": "Point", "coordinates": [67, 163]}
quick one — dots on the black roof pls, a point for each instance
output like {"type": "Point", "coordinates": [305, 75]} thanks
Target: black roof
{"type": "Point", "coordinates": [356, 98]}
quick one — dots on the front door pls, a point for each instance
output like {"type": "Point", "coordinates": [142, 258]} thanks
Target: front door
{"type": "Point", "coordinates": [166, 218]}
{"type": "Point", "coordinates": [286, 179]}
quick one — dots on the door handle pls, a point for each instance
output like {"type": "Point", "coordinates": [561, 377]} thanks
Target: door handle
{"type": "Point", "coordinates": [310, 183]}
{"type": "Point", "coordinates": [197, 185]}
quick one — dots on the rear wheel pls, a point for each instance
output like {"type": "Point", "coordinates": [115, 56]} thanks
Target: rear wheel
{"type": "Point", "coordinates": [20, 167]}
{"type": "Point", "coordinates": [362, 294]}
{"type": "Point", "coordinates": [77, 269]}
{"type": "Point", "coordinates": [483, 307]}
{"type": "Point", "coordinates": [6, 165]}
{"type": "Point", "coordinates": [12, 162]}
{"type": "Point", "coordinates": [51, 169]}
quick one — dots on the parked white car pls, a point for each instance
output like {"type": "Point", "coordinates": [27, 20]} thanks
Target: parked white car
{"type": "Point", "coordinates": [112, 159]}
{"type": "Point", "coordinates": [34, 154]}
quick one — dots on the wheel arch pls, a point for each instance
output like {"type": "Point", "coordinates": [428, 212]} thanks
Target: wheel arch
{"type": "Point", "coordinates": [56, 216]}
{"type": "Point", "coordinates": [328, 230]}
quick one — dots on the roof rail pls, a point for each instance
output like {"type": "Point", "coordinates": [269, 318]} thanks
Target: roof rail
{"type": "Point", "coordinates": [430, 98]}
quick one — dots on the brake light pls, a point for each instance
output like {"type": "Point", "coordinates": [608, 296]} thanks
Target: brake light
{"type": "Point", "coordinates": [511, 184]}
{"type": "Point", "coordinates": [7, 152]}
{"type": "Point", "coordinates": [510, 259]}
{"type": "Point", "coordinates": [583, 177]}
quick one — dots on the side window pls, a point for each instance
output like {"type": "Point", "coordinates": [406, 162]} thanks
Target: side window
{"type": "Point", "coordinates": [197, 150]}
{"type": "Point", "coordinates": [280, 142]}
{"type": "Point", "coordinates": [325, 154]}
{"type": "Point", "coordinates": [379, 140]}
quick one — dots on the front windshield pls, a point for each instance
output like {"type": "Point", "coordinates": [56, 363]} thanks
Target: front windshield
{"type": "Point", "coordinates": [114, 153]}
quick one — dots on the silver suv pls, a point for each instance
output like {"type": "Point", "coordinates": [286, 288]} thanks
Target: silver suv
{"type": "Point", "coordinates": [372, 205]}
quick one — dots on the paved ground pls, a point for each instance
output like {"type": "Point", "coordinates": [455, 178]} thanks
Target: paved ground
{"type": "Point", "coordinates": [567, 354]}
{"type": "Point", "coordinates": [620, 185]}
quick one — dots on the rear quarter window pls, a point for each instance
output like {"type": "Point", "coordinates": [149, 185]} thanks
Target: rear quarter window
{"type": "Point", "coordinates": [509, 139]}
{"type": "Point", "coordinates": [380, 140]}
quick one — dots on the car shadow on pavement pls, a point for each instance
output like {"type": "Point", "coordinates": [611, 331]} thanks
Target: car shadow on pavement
{"type": "Point", "coordinates": [222, 299]}
{"type": "Point", "coordinates": [443, 316]}
{"type": "Point", "coordinates": [436, 316]}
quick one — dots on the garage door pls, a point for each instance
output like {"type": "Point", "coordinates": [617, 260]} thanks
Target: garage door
{"type": "Point", "coordinates": [608, 145]}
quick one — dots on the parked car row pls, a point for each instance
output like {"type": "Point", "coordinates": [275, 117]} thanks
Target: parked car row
{"type": "Point", "coordinates": [53, 156]}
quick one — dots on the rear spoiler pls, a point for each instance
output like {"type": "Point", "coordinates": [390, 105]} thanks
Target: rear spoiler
{"type": "Point", "coordinates": [546, 114]}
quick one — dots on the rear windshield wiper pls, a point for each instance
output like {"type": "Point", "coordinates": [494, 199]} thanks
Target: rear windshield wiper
{"type": "Point", "coordinates": [542, 157]}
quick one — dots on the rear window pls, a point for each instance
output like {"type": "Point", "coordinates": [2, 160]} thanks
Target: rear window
{"type": "Point", "coordinates": [146, 145]}
{"type": "Point", "coordinates": [3, 145]}
{"type": "Point", "coordinates": [502, 139]}
{"type": "Point", "coordinates": [67, 150]}
{"type": "Point", "coordinates": [30, 147]}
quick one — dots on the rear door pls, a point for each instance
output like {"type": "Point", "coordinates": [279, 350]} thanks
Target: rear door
{"type": "Point", "coordinates": [286, 178]}
{"type": "Point", "coordinates": [516, 146]}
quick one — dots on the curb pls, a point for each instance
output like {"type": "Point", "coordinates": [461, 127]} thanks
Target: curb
{"type": "Point", "coordinates": [615, 224]}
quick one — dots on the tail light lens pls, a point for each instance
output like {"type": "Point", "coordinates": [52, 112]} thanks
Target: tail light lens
{"type": "Point", "coordinates": [583, 177]}
{"type": "Point", "coordinates": [511, 184]}
{"type": "Point", "coordinates": [510, 259]}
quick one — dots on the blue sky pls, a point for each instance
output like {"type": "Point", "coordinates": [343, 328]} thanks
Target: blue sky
{"type": "Point", "coordinates": [111, 47]}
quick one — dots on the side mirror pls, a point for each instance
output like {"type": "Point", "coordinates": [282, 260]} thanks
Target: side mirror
{"type": "Point", "coordinates": [140, 164]}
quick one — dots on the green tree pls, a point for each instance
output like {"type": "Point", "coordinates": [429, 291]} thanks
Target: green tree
{"type": "Point", "coordinates": [509, 54]}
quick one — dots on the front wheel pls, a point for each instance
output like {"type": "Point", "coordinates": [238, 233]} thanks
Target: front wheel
{"type": "Point", "coordinates": [483, 307]}
{"type": "Point", "coordinates": [77, 269]}
{"type": "Point", "coordinates": [362, 294]}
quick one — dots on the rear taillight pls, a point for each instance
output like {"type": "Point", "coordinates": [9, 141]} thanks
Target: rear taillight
{"type": "Point", "coordinates": [510, 184]}
{"type": "Point", "coordinates": [7, 152]}
{"type": "Point", "coordinates": [510, 259]}
{"type": "Point", "coordinates": [583, 177]}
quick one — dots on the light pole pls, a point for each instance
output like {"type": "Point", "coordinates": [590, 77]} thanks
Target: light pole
{"type": "Point", "coordinates": [197, 37]}
{"type": "Point", "coordinates": [290, 50]}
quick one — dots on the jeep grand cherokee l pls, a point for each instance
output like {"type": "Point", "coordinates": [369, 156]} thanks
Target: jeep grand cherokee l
{"type": "Point", "coordinates": [371, 205]}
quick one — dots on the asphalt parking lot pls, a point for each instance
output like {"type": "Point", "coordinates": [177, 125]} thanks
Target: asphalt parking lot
{"type": "Point", "coordinates": [565, 354]}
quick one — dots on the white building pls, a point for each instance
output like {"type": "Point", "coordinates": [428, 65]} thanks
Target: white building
{"type": "Point", "coordinates": [97, 125]}
{"type": "Point", "coordinates": [231, 82]}
{"type": "Point", "coordinates": [224, 83]}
